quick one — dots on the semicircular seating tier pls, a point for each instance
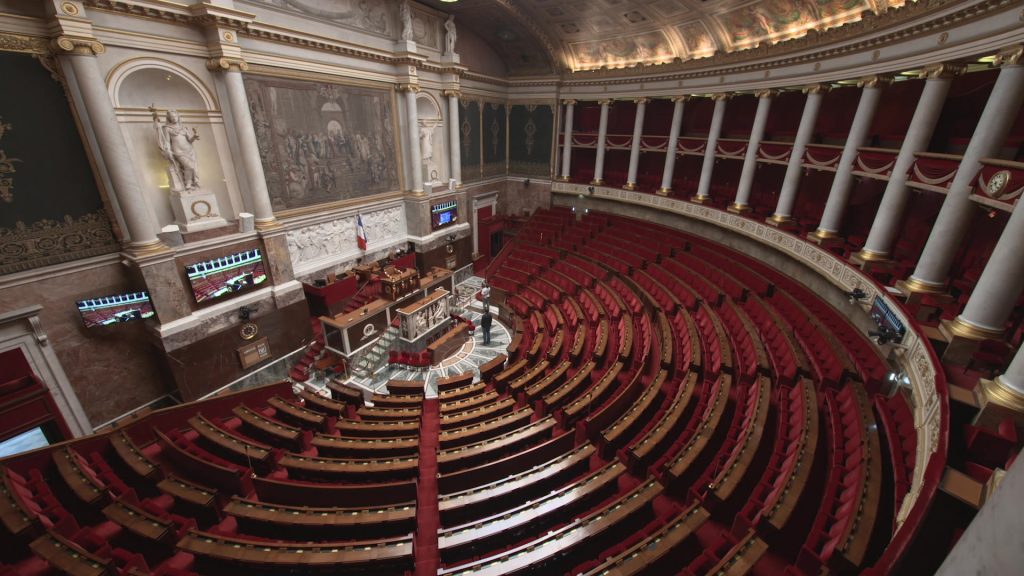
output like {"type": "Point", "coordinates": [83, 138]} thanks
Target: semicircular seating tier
{"type": "Point", "coordinates": [667, 405]}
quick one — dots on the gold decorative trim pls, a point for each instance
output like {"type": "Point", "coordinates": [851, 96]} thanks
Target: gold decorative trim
{"type": "Point", "coordinates": [642, 100]}
{"type": "Point", "coordinates": [875, 81]}
{"type": "Point", "coordinates": [225, 64]}
{"type": "Point", "coordinates": [562, 178]}
{"type": "Point", "coordinates": [871, 256]}
{"type": "Point", "coordinates": [721, 96]}
{"type": "Point", "coordinates": [597, 182]}
{"type": "Point", "coordinates": [914, 285]}
{"type": "Point", "coordinates": [817, 89]}
{"type": "Point", "coordinates": [21, 43]}
{"type": "Point", "coordinates": [820, 234]}
{"type": "Point", "coordinates": [943, 70]}
{"type": "Point", "coordinates": [737, 208]}
{"type": "Point", "coordinates": [778, 220]}
{"type": "Point", "coordinates": [698, 199]}
{"type": "Point", "coordinates": [407, 87]}
{"type": "Point", "coordinates": [449, 93]}
{"type": "Point", "coordinates": [1001, 393]}
{"type": "Point", "coordinates": [569, 102]}
{"type": "Point", "coordinates": [664, 191]}
{"type": "Point", "coordinates": [629, 186]}
{"type": "Point", "coordinates": [964, 329]}
{"type": "Point", "coordinates": [1009, 56]}
{"type": "Point", "coordinates": [606, 101]}
{"type": "Point", "coordinates": [768, 93]}
{"type": "Point", "coordinates": [48, 242]}
{"type": "Point", "coordinates": [77, 45]}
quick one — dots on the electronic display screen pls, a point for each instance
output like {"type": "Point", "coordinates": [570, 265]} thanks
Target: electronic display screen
{"type": "Point", "coordinates": [116, 309]}
{"type": "Point", "coordinates": [227, 275]}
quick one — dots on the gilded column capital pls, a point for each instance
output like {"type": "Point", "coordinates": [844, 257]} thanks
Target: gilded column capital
{"type": "Point", "coordinates": [451, 93]}
{"type": "Point", "coordinates": [768, 93]}
{"type": "Point", "coordinates": [225, 64]}
{"type": "Point", "coordinates": [641, 100]}
{"type": "Point", "coordinates": [1009, 56]}
{"type": "Point", "coordinates": [721, 96]}
{"type": "Point", "coordinates": [77, 45]}
{"type": "Point", "coordinates": [406, 87]}
{"type": "Point", "coordinates": [569, 102]}
{"type": "Point", "coordinates": [875, 81]}
{"type": "Point", "coordinates": [817, 89]}
{"type": "Point", "coordinates": [679, 98]}
{"type": "Point", "coordinates": [606, 101]}
{"type": "Point", "coordinates": [943, 70]}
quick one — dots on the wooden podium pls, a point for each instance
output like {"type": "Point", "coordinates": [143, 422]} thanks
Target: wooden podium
{"type": "Point", "coordinates": [397, 283]}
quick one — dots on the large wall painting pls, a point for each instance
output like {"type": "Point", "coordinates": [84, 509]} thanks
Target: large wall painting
{"type": "Point", "coordinates": [51, 210]}
{"type": "Point", "coordinates": [529, 139]}
{"type": "Point", "coordinates": [494, 128]}
{"type": "Point", "coordinates": [469, 139]}
{"type": "Point", "coordinates": [323, 142]}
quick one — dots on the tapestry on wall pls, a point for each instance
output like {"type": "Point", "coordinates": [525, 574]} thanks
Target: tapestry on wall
{"type": "Point", "coordinates": [529, 139]}
{"type": "Point", "coordinates": [50, 207]}
{"type": "Point", "coordinates": [469, 139]}
{"type": "Point", "coordinates": [323, 142]}
{"type": "Point", "coordinates": [495, 123]}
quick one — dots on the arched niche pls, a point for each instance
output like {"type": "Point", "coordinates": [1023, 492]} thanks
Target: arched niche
{"type": "Point", "coordinates": [136, 85]}
{"type": "Point", "coordinates": [433, 148]}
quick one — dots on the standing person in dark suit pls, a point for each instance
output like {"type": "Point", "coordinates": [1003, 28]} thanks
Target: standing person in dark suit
{"type": "Point", "coordinates": [485, 323]}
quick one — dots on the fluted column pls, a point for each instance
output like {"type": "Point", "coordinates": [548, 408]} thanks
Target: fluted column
{"type": "Point", "coordinates": [955, 216]}
{"type": "Point", "coordinates": [638, 134]}
{"type": "Point", "coordinates": [764, 104]}
{"type": "Point", "coordinates": [795, 169]}
{"type": "Point", "coordinates": [670, 149]}
{"type": "Point", "coordinates": [567, 140]}
{"type": "Point", "coordinates": [832, 217]}
{"type": "Point", "coordinates": [919, 134]}
{"type": "Point", "coordinates": [707, 169]}
{"type": "Point", "coordinates": [412, 119]}
{"type": "Point", "coordinates": [602, 135]}
{"type": "Point", "coordinates": [454, 135]}
{"type": "Point", "coordinates": [81, 53]}
{"type": "Point", "coordinates": [257, 192]}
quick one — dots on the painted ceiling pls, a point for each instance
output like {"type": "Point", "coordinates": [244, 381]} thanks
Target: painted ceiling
{"type": "Point", "coordinates": [543, 36]}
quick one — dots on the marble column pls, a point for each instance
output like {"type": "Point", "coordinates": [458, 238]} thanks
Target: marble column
{"type": "Point", "coordinates": [919, 134]}
{"type": "Point", "coordinates": [714, 133]}
{"type": "Point", "coordinates": [764, 104]}
{"type": "Point", "coordinates": [996, 293]}
{"type": "Point", "coordinates": [141, 225]}
{"type": "Point", "coordinates": [567, 141]}
{"type": "Point", "coordinates": [602, 135]}
{"type": "Point", "coordinates": [412, 119]}
{"type": "Point", "coordinates": [795, 169]}
{"type": "Point", "coordinates": [1013, 378]}
{"type": "Point", "coordinates": [257, 193]}
{"type": "Point", "coordinates": [638, 134]}
{"type": "Point", "coordinates": [832, 217]}
{"type": "Point", "coordinates": [954, 218]}
{"type": "Point", "coordinates": [671, 147]}
{"type": "Point", "coordinates": [454, 136]}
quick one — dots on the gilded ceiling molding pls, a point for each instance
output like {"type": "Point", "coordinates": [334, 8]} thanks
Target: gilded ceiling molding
{"type": "Point", "coordinates": [869, 24]}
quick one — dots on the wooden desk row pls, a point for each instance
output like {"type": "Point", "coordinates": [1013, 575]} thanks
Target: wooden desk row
{"type": "Point", "coordinates": [478, 414]}
{"type": "Point", "coordinates": [461, 457]}
{"type": "Point", "coordinates": [672, 422]}
{"type": "Point", "coordinates": [356, 447]}
{"type": "Point", "coordinates": [496, 470]}
{"type": "Point", "coordinates": [350, 469]}
{"type": "Point", "coordinates": [259, 426]}
{"type": "Point", "coordinates": [481, 501]}
{"type": "Point", "coordinates": [298, 415]}
{"type": "Point", "coordinates": [321, 523]}
{"type": "Point", "coordinates": [481, 431]}
{"type": "Point", "coordinates": [652, 555]}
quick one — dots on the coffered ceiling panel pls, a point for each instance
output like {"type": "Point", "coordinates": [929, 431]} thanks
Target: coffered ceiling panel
{"type": "Point", "coordinates": [590, 34]}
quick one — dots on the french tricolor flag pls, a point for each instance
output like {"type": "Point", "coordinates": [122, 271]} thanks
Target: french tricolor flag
{"type": "Point", "coordinates": [360, 232]}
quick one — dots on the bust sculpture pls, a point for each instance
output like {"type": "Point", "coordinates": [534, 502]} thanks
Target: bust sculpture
{"type": "Point", "coordinates": [175, 142]}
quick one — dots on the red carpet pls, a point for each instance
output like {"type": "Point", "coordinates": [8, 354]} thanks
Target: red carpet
{"type": "Point", "coordinates": [427, 520]}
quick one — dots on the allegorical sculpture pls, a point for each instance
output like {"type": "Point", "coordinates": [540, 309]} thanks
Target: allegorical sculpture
{"type": "Point", "coordinates": [405, 15]}
{"type": "Point", "coordinates": [175, 142]}
{"type": "Point", "coordinates": [449, 35]}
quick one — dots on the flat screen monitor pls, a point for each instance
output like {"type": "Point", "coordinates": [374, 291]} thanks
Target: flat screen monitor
{"type": "Point", "coordinates": [227, 275]}
{"type": "Point", "coordinates": [444, 214]}
{"type": "Point", "coordinates": [115, 309]}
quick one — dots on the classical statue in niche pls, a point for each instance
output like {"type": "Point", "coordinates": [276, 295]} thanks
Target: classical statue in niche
{"type": "Point", "coordinates": [175, 142]}
{"type": "Point", "coordinates": [449, 35]}
{"type": "Point", "coordinates": [427, 151]}
{"type": "Point", "coordinates": [405, 15]}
